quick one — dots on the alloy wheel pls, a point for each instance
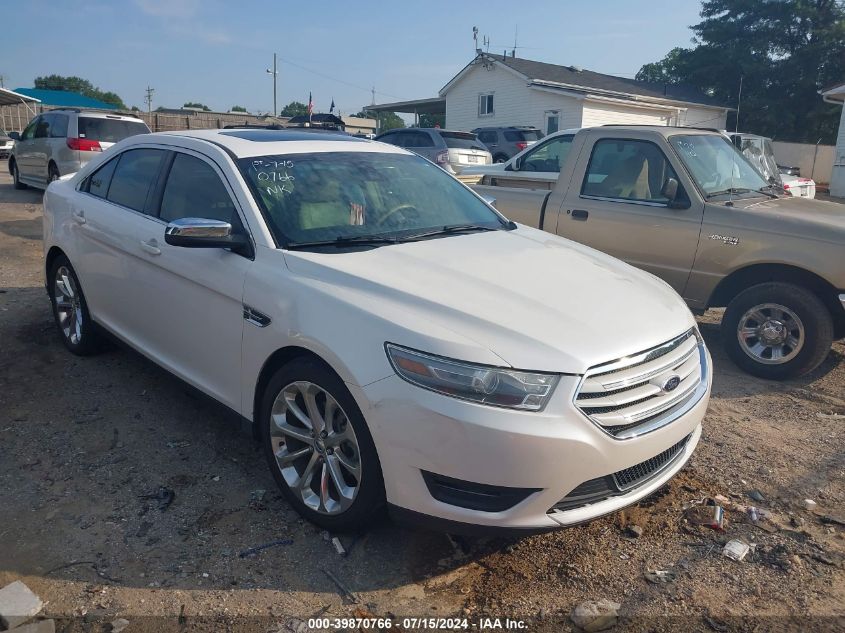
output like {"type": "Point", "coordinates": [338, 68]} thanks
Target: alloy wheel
{"type": "Point", "coordinates": [771, 333]}
{"type": "Point", "coordinates": [315, 447]}
{"type": "Point", "coordinates": [68, 305]}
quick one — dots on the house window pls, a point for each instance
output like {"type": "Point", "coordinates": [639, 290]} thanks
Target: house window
{"type": "Point", "coordinates": [485, 105]}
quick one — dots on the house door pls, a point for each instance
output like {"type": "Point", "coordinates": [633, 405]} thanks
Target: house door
{"type": "Point", "coordinates": [551, 123]}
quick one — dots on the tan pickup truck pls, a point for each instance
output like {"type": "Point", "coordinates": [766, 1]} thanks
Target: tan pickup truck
{"type": "Point", "coordinates": [685, 205]}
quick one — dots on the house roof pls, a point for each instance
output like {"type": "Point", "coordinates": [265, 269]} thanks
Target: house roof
{"type": "Point", "coordinates": [835, 93]}
{"type": "Point", "coordinates": [65, 99]}
{"type": "Point", "coordinates": [574, 78]}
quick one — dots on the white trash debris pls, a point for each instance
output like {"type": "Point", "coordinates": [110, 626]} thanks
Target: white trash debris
{"type": "Point", "coordinates": [810, 504]}
{"type": "Point", "coordinates": [736, 550]}
{"type": "Point", "coordinates": [596, 615]}
{"type": "Point", "coordinates": [18, 604]}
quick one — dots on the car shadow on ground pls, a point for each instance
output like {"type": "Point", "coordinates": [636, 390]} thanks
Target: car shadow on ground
{"type": "Point", "coordinates": [27, 229]}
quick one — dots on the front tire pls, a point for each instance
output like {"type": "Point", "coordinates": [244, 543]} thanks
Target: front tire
{"type": "Point", "coordinates": [319, 448]}
{"type": "Point", "coordinates": [70, 310]}
{"type": "Point", "coordinates": [500, 158]}
{"type": "Point", "coordinates": [16, 177]}
{"type": "Point", "coordinates": [777, 330]}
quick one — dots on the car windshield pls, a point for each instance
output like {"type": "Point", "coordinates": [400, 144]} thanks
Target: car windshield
{"type": "Point", "coordinates": [326, 196]}
{"type": "Point", "coordinates": [109, 130]}
{"type": "Point", "coordinates": [718, 168]}
{"type": "Point", "coordinates": [462, 140]}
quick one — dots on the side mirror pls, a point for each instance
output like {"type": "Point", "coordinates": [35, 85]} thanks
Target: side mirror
{"type": "Point", "coordinates": [515, 164]}
{"type": "Point", "coordinates": [677, 198]}
{"type": "Point", "coordinates": [489, 200]}
{"type": "Point", "coordinates": [15, 136]}
{"type": "Point", "coordinates": [204, 233]}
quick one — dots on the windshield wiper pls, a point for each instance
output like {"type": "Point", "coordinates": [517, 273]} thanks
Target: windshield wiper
{"type": "Point", "coordinates": [449, 229]}
{"type": "Point", "coordinates": [730, 190]}
{"type": "Point", "coordinates": [768, 193]}
{"type": "Point", "coordinates": [346, 240]}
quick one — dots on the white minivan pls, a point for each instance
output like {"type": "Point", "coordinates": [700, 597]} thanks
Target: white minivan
{"type": "Point", "coordinates": [395, 341]}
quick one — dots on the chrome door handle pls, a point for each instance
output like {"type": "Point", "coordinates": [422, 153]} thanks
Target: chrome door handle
{"type": "Point", "coordinates": [78, 217]}
{"type": "Point", "coordinates": [151, 246]}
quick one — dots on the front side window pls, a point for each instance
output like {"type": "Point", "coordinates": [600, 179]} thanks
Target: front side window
{"type": "Point", "coordinates": [194, 190]}
{"type": "Point", "coordinates": [133, 178]}
{"type": "Point", "coordinates": [717, 166]}
{"type": "Point", "coordinates": [29, 131]}
{"type": "Point", "coordinates": [99, 181]}
{"type": "Point", "coordinates": [548, 157]}
{"type": "Point", "coordinates": [326, 196]}
{"type": "Point", "coordinates": [485, 105]}
{"type": "Point", "coordinates": [42, 128]}
{"type": "Point", "coordinates": [627, 170]}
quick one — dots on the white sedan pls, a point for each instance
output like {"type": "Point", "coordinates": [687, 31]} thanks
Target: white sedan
{"type": "Point", "coordinates": [394, 340]}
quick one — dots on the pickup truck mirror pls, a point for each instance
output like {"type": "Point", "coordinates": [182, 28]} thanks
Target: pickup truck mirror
{"type": "Point", "coordinates": [670, 189]}
{"type": "Point", "coordinates": [15, 136]}
{"type": "Point", "coordinates": [516, 165]}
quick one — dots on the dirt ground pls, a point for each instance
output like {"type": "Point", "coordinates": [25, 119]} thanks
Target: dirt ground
{"type": "Point", "coordinates": [84, 443]}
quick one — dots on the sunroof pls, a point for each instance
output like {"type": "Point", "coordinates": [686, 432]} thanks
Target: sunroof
{"type": "Point", "coordinates": [269, 136]}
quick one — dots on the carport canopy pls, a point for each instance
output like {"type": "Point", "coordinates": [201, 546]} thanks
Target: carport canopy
{"type": "Point", "coordinates": [10, 97]}
{"type": "Point", "coordinates": [433, 105]}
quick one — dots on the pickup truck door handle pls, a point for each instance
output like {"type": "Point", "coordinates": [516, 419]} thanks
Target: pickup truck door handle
{"type": "Point", "coordinates": [78, 217]}
{"type": "Point", "coordinates": [151, 246]}
{"type": "Point", "coordinates": [580, 214]}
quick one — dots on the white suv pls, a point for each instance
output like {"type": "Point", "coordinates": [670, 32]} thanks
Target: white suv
{"type": "Point", "coordinates": [394, 340]}
{"type": "Point", "coordinates": [61, 141]}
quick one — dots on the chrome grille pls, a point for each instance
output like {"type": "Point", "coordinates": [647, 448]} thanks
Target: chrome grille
{"type": "Point", "coordinates": [642, 392]}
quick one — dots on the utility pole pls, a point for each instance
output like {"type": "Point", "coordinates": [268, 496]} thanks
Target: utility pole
{"type": "Point", "coordinates": [275, 74]}
{"type": "Point", "coordinates": [149, 99]}
{"type": "Point", "coordinates": [2, 81]}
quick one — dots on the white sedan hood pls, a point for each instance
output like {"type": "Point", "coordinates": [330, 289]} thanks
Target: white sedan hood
{"type": "Point", "coordinates": [535, 300]}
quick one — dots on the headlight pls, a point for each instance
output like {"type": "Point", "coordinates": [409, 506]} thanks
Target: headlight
{"type": "Point", "coordinates": [493, 386]}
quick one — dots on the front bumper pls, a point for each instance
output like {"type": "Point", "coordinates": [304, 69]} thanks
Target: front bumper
{"type": "Point", "coordinates": [550, 453]}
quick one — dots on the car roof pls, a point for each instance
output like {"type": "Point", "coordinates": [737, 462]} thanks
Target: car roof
{"type": "Point", "coordinates": [244, 143]}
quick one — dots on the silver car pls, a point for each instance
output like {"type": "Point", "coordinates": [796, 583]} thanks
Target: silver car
{"type": "Point", "coordinates": [61, 141]}
{"type": "Point", "coordinates": [453, 151]}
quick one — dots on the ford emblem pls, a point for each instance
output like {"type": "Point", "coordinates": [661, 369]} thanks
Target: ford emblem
{"type": "Point", "coordinates": [671, 383]}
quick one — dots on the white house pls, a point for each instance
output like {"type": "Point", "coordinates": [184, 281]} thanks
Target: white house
{"type": "Point", "coordinates": [495, 90]}
{"type": "Point", "coordinates": [837, 177]}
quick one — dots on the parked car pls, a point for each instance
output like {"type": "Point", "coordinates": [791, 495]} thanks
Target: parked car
{"type": "Point", "coordinates": [6, 144]}
{"type": "Point", "coordinates": [393, 339]}
{"type": "Point", "coordinates": [685, 205]}
{"type": "Point", "coordinates": [789, 171]}
{"type": "Point", "coordinates": [505, 142]}
{"type": "Point", "coordinates": [760, 153]}
{"type": "Point", "coordinates": [61, 141]}
{"type": "Point", "coordinates": [536, 167]}
{"type": "Point", "coordinates": [453, 151]}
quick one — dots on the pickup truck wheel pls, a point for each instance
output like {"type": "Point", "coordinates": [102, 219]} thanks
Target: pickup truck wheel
{"type": "Point", "coordinates": [70, 310]}
{"type": "Point", "coordinates": [16, 177]}
{"type": "Point", "coordinates": [777, 330]}
{"type": "Point", "coordinates": [319, 448]}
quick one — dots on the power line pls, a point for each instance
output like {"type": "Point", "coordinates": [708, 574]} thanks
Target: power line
{"type": "Point", "coordinates": [341, 81]}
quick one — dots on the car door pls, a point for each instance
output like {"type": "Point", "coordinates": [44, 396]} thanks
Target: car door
{"type": "Point", "coordinates": [40, 148]}
{"type": "Point", "coordinates": [420, 143]}
{"type": "Point", "coordinates": [111, 218]}
{"type": "Point", "coordinates": [192, 298]}
{"type": "Point", "coordinates": [615, 204]}
{"type": "Point", "coordinates": [24, 148]}
{"type": "Point", "coordinates": [539, 167]}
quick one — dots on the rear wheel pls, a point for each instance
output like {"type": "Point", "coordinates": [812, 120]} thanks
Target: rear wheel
{"type": "Point", "coordinates": [16, 177]}
{"type": "Point", "coordinates": [500, 158]}
{"type": "Point", "coordinates": [319, 448]}
{"type": "Point", "coordinates": [70, 310]}
{"type": "Point", "coordinates": [52, 173]}
{"type": "Point", "coordinates": [777, 330]}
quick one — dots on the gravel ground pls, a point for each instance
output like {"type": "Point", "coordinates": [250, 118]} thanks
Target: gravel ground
{"type": "Point", "coordinates": [84, 443]}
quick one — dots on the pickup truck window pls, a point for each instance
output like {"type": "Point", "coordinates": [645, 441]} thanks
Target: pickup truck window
{"type": "Point", "coordinates": [549, 156]}
{"type": "Point", "coordinates": [717, 166]}
{"type": "Point", "coordinates": [307, 198]}
{"type": "Point", "coordinates": [627, 170]}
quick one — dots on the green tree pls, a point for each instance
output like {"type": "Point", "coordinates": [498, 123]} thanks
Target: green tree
{"type": "Point", "coordinates": [77, 84]}
{"type": "Point", "coordinates": [195, 104]}
{"type": "Point", "coordinates": [432, 120]}
{"type": "Point", "coordinates": [386, 120]}
{"type": "Point", "coordinates": [237, 109]}
{"type": "Point", "coordinates": [784, 51]}
{"type": "Point", "coordinates": [294, 108]}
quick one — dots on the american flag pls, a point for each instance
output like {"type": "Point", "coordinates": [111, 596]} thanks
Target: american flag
{"type": "Point", "coordinates": [310, 104]}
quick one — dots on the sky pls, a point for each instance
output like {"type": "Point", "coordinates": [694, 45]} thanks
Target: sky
{"type": "Point", "coordinates": [217, 52]}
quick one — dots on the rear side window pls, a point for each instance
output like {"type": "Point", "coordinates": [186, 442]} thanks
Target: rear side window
{"type": "Point", "coordinates": [417, 139]}
{"type": "Point", "coordinates": [109, 130]}
{"type": "Point", "coordinates": [99, 181]}
{"type": "Point", "coordinates": [58, 126]}
{"type": "Point", "coordinates": [489, 137]}
{"type": "Point", "coordinates": [525, 136]}
{"type": "Point", "coordinates": [194, 190]}
{"type": "Point", "coordinates": [134, 176]}
{"type": "Point", "coordinates": [462, 140]}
